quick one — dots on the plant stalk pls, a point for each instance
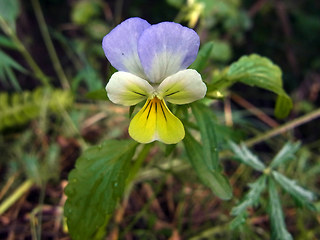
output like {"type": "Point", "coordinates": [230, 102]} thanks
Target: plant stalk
{"type": "Point", "coordinates": [24, 52]}
{"type": "Point", "coordinates": [48, 42]}
{"type": "Point", "coordinates": [283, 128]}
{"type": "Point", "coordinates": [22, 189]}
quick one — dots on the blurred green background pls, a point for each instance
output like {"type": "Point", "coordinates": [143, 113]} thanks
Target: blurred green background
{"type": "Point", "coordinates": [51, 58]}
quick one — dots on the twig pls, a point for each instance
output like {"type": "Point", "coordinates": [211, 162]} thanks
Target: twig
{"type": "Point", "coordinates": [228, 112]}
{"type": "Point", "coordinates": [256, 7]}
{"type": "Point", "coordinates": [255, 111]}
{"type": "Point", "coordinates": [283, 128]}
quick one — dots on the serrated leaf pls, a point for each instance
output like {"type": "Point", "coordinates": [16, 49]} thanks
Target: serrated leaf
{"type": "Point", "coordinates": [238, 220]}
{"type": "Point", "coordinates": [203, 56]}
{"type": "Point", "coordinates": [302, 196]}
{"type": "Point", "coordinates": [96, 185]}
{"type": "Point", "coordinates": [255, 70]}
{"type": "Point", "coordinates": [252, 197]}
{"type": "Point", "coordinates": [206, 126]}
{"type": "Point", "coordinates": [243, 154]}
{"type": "Point", "coordinates": [213, 179]}
{"type": "Point", "coordinates": [278, 226]}
{"type": "Point", "coordinates": [285, 154]}
{"type": "Point", "coordinates": [100, 94]}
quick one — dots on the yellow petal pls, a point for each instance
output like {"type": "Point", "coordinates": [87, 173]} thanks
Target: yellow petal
{"type": "Point", "coordinates": [155, 122]}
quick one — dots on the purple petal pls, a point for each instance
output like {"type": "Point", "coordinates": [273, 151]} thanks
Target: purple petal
{"type": "Point", "coordinates": [167, 48]}
{"type": "Point", "coordinates": [120, 45]}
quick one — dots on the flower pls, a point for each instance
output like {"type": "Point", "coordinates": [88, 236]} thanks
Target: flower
{"type": "Point", "coordinates": [152, 62]}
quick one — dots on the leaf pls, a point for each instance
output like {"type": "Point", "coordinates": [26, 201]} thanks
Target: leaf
{"type": "Point", "coordinates": [221, 51]}
{"type": "Point", "coordinates": [278, 226]}
{"type": "Point", "coordinates": [88, 75]}
{"type": "Point", "coordinates": [302, 196]}
{"type": "Point", "coordinates": [238, 220]}
{"type": "Point", "coordinates": [176, 3]}
{"type": "Point", "coordinates": [213, 179]}
{"type": "Point", "coordinates": [243, 154]}
{"type": "Point", "coordinates": [131, 110]}
{"type": "Point", "coordinates": [255, 70]}
{"type": "Point", "coordinates": [206, 125]}
{"type": "Point", "coordinates": [203, 56]}
{"type": "Point", "coordinates": [6, 73]}
{"type": "Point", "coordinates": [6, 42]}
{"type": "Point", "coordinates": [100, 94]}
{"type": "Point", "coordinates": [19, 108]}
{"type": "Point", "coordinates": [252, 197]}
{"type": "Point", "coordinates": [96, 185]}
{"type": "Point", "coordinates": [285, 154]}
{"type": "Point", "coordinates": [9, 11]}
{"type": "Point", "coordinates": [283, 106]}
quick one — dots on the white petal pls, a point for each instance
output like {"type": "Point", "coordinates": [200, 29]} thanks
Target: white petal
{"type": "Point", "coordinates": [127, 89]}
{"type": "Point", "coordinates": [185, 86]}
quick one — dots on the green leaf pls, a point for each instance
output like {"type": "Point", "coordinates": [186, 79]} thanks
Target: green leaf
{"type": "Point", "coordinates": [19, 108]}
{"type": "Point", "coordinates": [255, 70]}
{"type": "Point", "coordinates": [96, 185]}
{"type": "Point", "coordinates": [221, 51]}
{"type": "Point", "coordinates": [283, 106]}
{"type": "Point", "coordinates": [203, 56]}
{"type": "Point", "coordinates": [302, 196]}
{"type": "Point", "coordinates": [238, 220]}
{"type": "Point", "coordinates": [100, 94]}
{"type": "Point", "coordinates": [252, 197]}
{"type": "Point", "coordinates": [206, 125]}
{"type": "Point", "coordinates": [6, 72]}
{"type": "Point", "coordinates": [176, 3]}
{"type": "Point", "coordinates": [9, 11]}
{"type": "Point", "coordinates": [6, 42]}
{"type": "Point", "coordinates": [131, 110]}
{"type": "Point", "coordinates": [89, 76]}
{"type": "Point", "coordinates": [243, 154]}
{"type": "Point", "coordinates": [213, 179]}
{"type": "Point", "coordinates": [278, 226]}
{"type": "Point", "coordinates": [285, 154]}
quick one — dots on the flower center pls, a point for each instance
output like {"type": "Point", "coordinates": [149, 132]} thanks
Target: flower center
{"type": "Point", "coordinates": [156, 95]}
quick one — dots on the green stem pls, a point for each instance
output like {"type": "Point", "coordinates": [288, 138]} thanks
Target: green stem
{"type": "Point", "coordinates": [137, 164]}
{"type": "Point", "coordinates": [8, 202]}
{"type": "Point", "coordinates": [41, 201]}
{"type": "Point", "coordinates": [24, 52]}
{"type": "Point", "coordinates": [48, 42]}
{"type": "Point", "coordinates": [283, 128]}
